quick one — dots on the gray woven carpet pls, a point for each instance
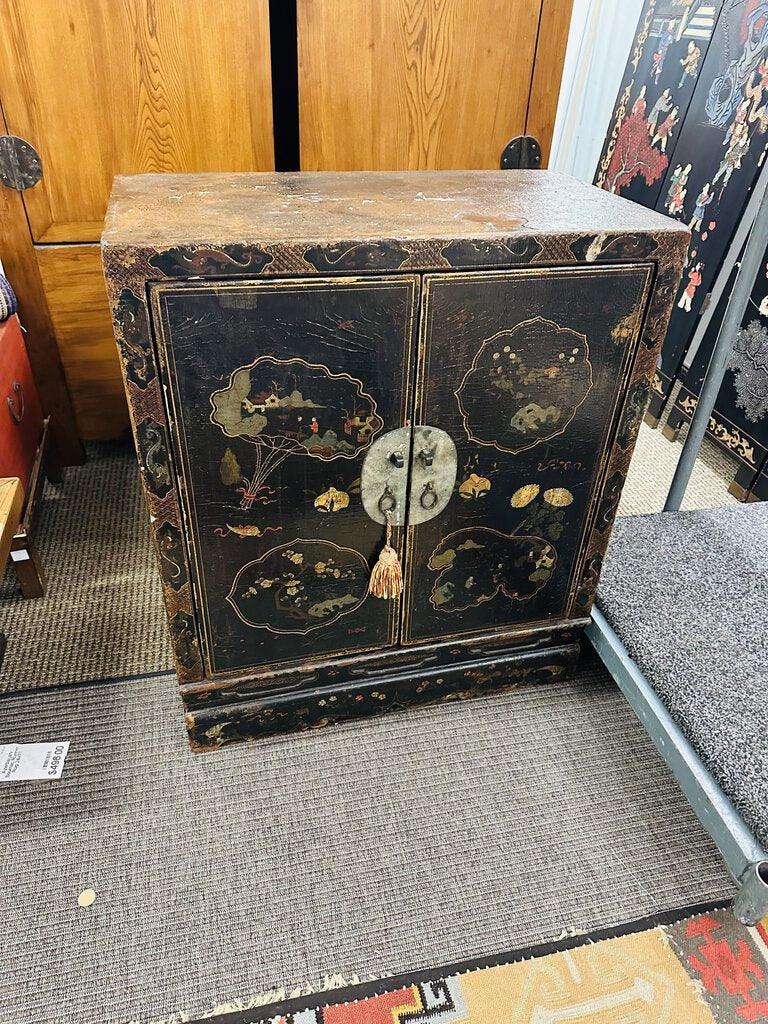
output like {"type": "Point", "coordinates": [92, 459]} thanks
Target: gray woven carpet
{"type": "Point", "coordinates": [413, 840]}
{"type": "Point", "coordinates": [102, 616]}
{"type": "Point", "coordinates": [688, 594]}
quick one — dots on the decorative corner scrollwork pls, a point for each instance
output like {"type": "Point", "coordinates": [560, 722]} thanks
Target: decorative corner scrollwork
{"type": "Point", "coordinates": [170, 549]}
{"type": "Point", "coordinates": [190, 260]}
{"type": "Point", "coordinates": [132, 334]}
{"type": "Point", "coordinates": [633, 414]}
{"type": "Point", "coordinates": [610, 502]}
{"type": "Point", "coordinates": [152, 445]}
{"type": "Point", "coordinates": [589, 580]}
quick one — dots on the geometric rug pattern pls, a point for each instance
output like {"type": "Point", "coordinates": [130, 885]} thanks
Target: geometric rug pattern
{"type": "Point", "coordinates": [705, 969]}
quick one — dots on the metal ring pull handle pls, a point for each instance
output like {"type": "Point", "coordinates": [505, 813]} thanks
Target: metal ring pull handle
{"type": "Point", "coordinates": [17, 390]}
{"type": "Point", "coordinates": [429, 496]}
{"type": "Point", "coordinates": [387, 502]}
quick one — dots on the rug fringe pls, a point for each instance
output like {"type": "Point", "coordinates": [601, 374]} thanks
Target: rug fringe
{"type": "Point", "coordinates": [327, 983]}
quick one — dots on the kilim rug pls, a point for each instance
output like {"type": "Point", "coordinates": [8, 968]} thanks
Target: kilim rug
{"type": "Point", "coordinates": [703, 969]}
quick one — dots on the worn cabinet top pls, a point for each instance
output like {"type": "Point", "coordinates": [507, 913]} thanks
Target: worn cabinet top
{"type": "Point", "coordinates": [160, 210]}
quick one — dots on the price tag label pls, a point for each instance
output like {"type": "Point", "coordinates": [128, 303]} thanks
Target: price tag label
{"type": "Point", "coordinates": [24, 761]}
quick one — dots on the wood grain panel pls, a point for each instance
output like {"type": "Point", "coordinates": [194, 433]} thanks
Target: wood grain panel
{"type": "Point", "coordinates": [132, 86]}
{"type": "Point", "coordinates": [74, 283]}
{"type": "Point", "coordinates": [548, 72]}
{"type": "Point", "coordinates": [413, 84]}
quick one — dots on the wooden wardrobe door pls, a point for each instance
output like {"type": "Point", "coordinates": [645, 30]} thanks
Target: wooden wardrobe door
{"type": "Point", "coordinates": [277, 390]}
{"type": "Point", "coordinates": [529, 400]}
{"type": "Point", "coordinates": [426, 84]}
{"type": "Point", "coordinates": [130, 87]}
{"type": "Point", "coordinates": [108, 87]}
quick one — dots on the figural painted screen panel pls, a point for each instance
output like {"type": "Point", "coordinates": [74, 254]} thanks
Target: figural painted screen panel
{"type": "Point", "coordinates": [524, 369]}
{"type": "Point", "coordinates": [276, 391]}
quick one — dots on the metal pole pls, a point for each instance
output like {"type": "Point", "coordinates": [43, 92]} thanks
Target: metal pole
{"type": "Point", "coordinates": [721, 355]}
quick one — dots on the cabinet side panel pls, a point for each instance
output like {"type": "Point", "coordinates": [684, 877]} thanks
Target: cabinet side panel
{"type": "Point", "coordinates": [126, 291]}
{"type": "Point", "coordinates": [670, 255]}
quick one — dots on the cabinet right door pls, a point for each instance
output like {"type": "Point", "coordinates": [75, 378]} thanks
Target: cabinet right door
{"type": "Point", "coordinates": [524, 369]}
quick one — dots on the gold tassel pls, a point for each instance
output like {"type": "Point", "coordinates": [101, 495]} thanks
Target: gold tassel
{"type": "Point", "coordinates": [387, 576]}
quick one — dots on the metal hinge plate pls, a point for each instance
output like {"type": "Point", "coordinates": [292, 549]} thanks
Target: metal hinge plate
{"type": "Point", "coordinates": [524, 151]}
{"type": "Point", "coordinates": [20, 165]}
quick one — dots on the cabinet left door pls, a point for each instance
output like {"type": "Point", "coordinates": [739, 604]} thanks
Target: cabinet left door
{"type": "Point", "coordinates": [275, 391]}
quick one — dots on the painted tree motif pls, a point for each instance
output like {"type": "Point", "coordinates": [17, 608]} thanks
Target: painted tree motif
{"type": "Point", "coordinates": [634, 154]}
{"type": "Point", "coordinates": [291, 407]}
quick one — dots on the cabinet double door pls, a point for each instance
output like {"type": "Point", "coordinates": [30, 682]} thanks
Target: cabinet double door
{"type": "Point", "coordinates": [477, 407]}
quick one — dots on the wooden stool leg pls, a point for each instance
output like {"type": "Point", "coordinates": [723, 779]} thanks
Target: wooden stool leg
{"type": "Point", "coordinates": [29, 571]}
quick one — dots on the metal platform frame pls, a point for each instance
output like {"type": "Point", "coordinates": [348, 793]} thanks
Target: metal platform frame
{"type": "Point", "coordinates": [745, 858]}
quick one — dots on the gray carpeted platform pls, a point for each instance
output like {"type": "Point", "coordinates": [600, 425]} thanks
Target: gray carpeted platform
{"type": "Point", "coordinates": [413, 840]}
{"type": "Point", "coordinates": [688, 595]}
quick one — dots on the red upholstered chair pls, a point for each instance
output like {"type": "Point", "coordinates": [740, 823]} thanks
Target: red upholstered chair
{"type": "Point", "coordinates": [21, 436]}
{"type": "Point", "coordinates": [21, 418]}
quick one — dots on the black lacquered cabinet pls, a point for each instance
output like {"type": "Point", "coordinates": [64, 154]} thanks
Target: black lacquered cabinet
{"type": "Point", "coordinates": [470, 351]}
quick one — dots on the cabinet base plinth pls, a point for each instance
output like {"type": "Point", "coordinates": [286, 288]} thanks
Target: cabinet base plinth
{"type": "Point", "coordinates": [315, 707]}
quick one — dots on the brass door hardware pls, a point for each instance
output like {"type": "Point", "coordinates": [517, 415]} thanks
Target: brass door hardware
{"type": "Point", "coordinates": [433, 473]}
{"type": "Point", "coordinates": [384, 477]}
{"type": "Point", "coordinates": [430, 456]}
